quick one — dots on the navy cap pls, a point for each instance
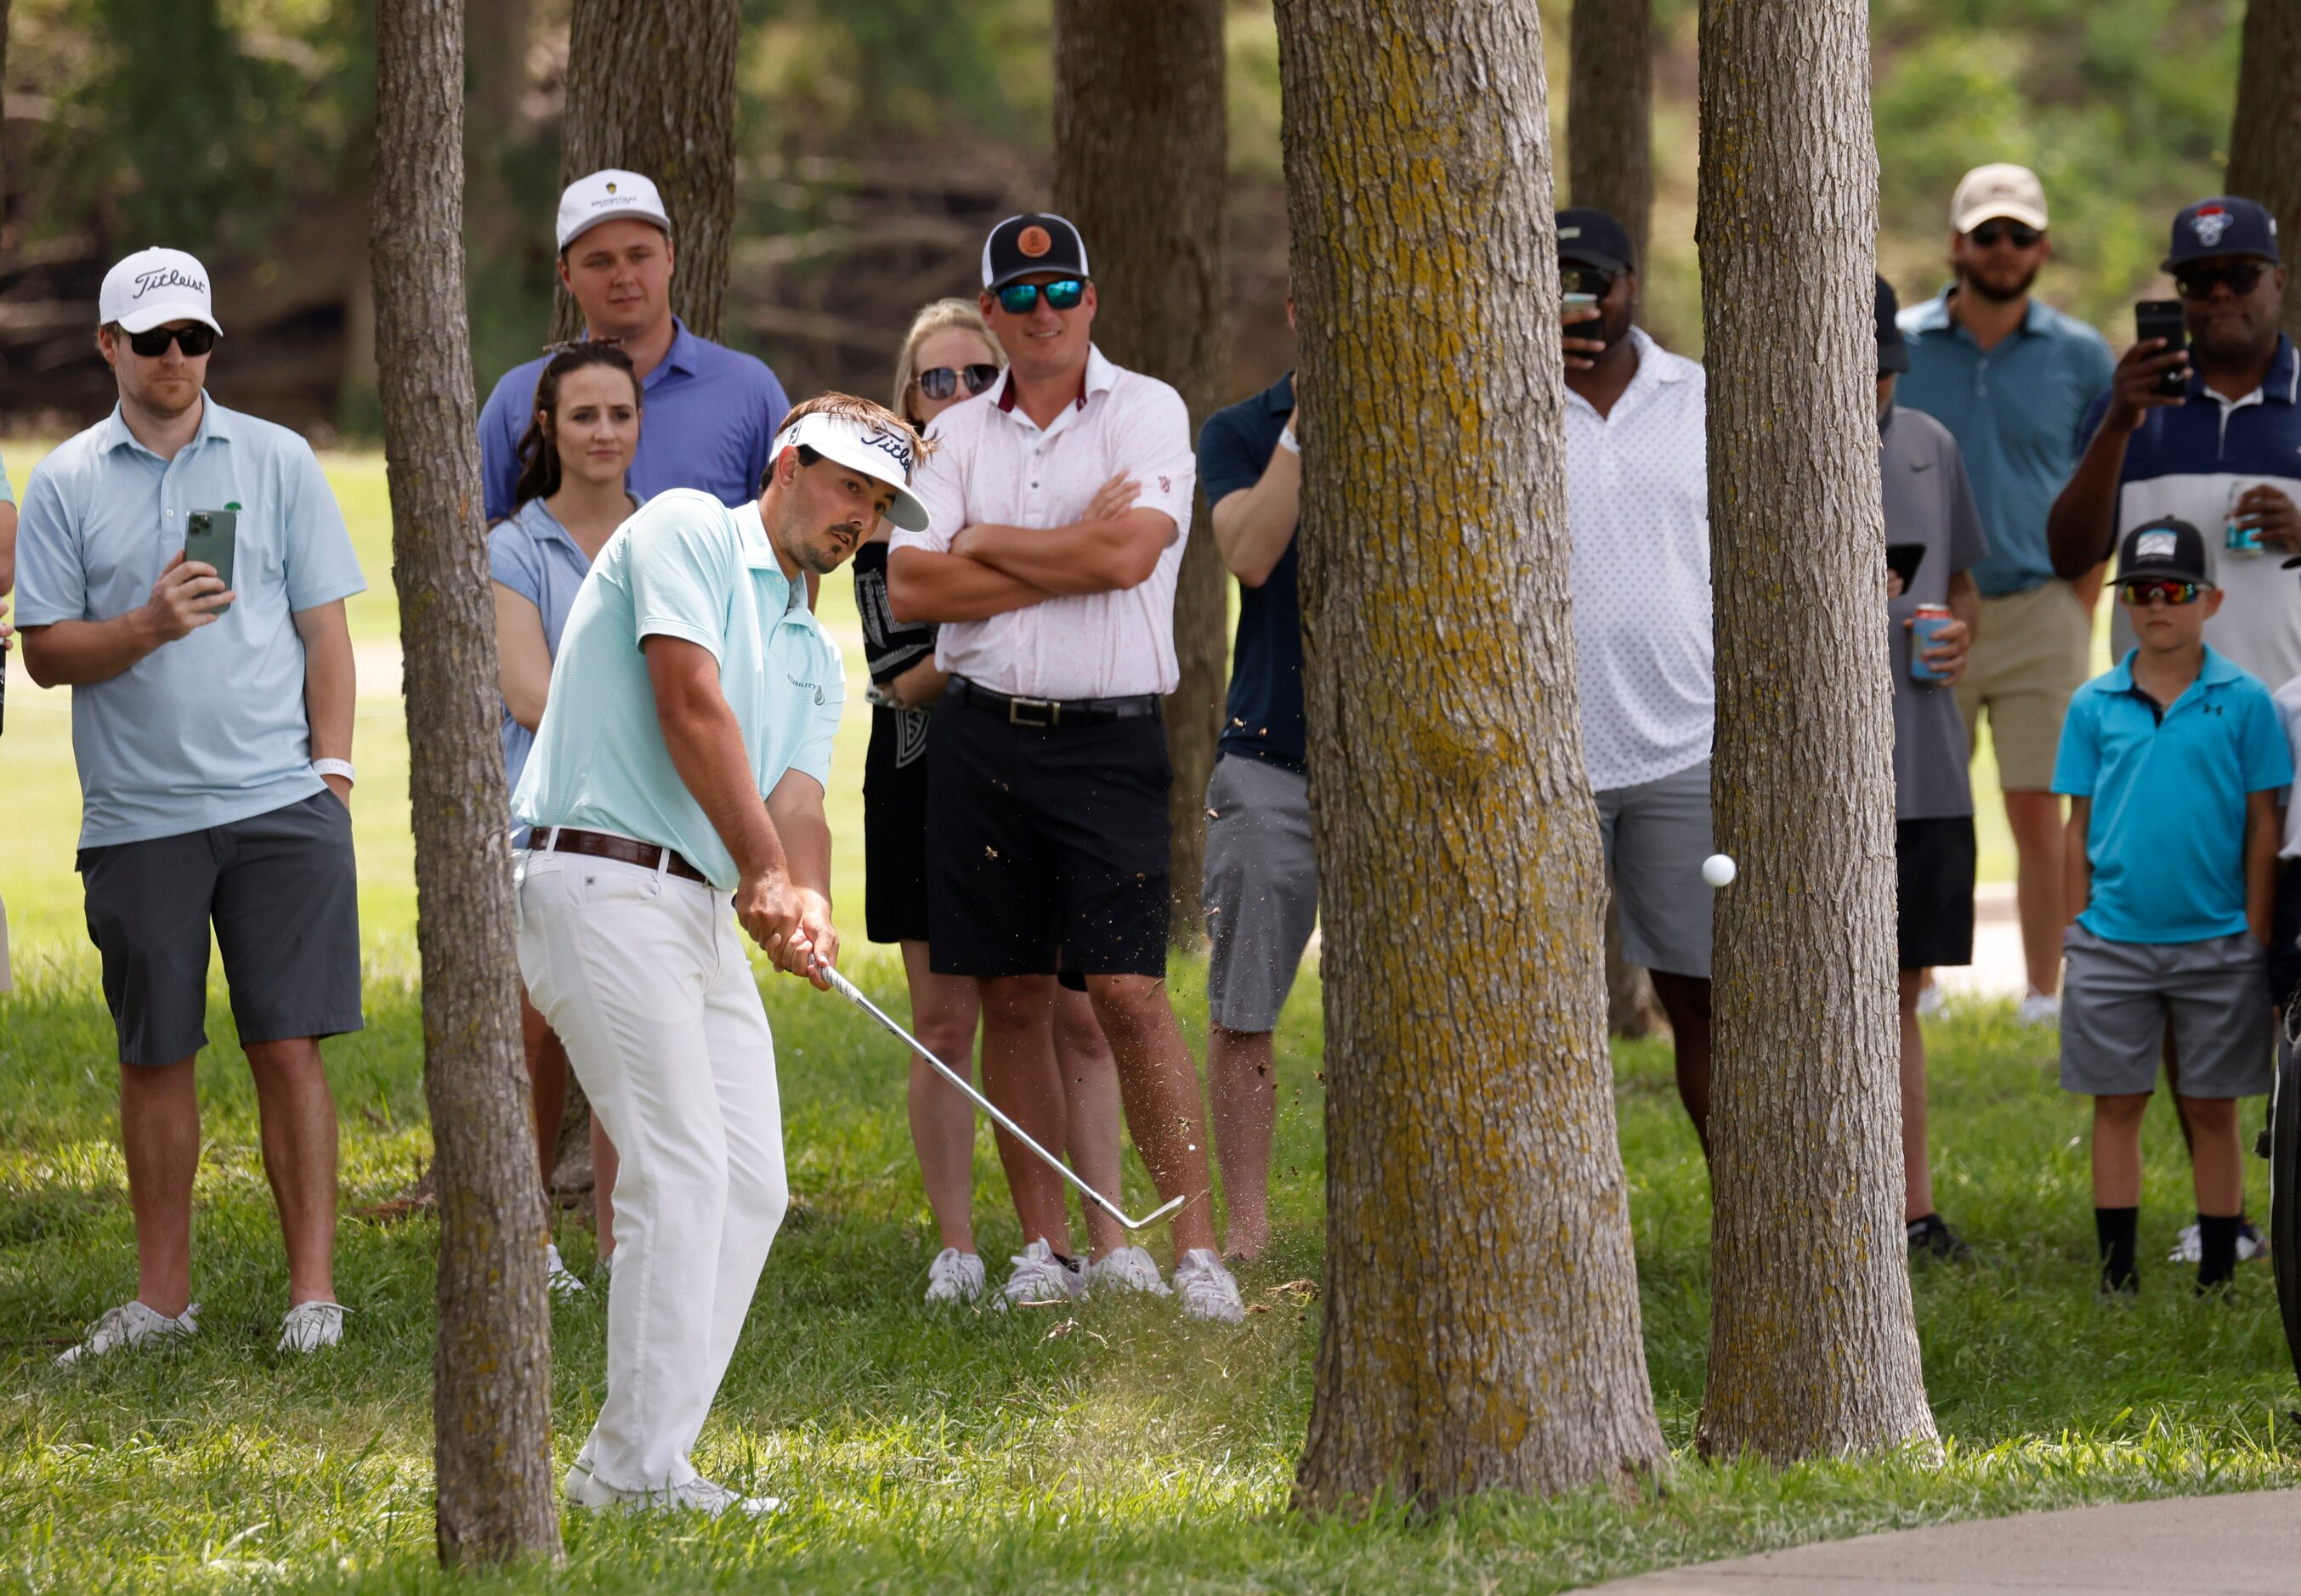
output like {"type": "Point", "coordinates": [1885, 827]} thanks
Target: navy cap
{"type": "Point", "coordinates": [1027, 244]}
{"type": "Point", "coordinates": [2167, 549]}
{"type": "Point", "coordinates": [1590, 238]}
{"type": "Point", "coordinates": [1893, 351]}
{"type": "Point", "coordinates": [2224, 225]}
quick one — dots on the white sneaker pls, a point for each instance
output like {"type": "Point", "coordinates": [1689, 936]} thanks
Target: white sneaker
{"type": "Point", "coordinates": [2188, 1249]}
{"type": "Point", "coordinates": [698, 1495]}
{"type": "Point", "coordinates": [954, 1276]}
{"type": "Point", "coordinates": [1128, 1269]}
{"type": "Point", "coordinates": [1932, 1002]}
{"type": "Point", "coordinates": [558, 1276]}
{"type": "Point", "coordinates": [130, 1324]}
{"type": "Point", "coordinates": [311, 1326]}
{"type": "Point", "coordinates": [1039, 1277]}
{"type": "Point", "coordinates": [2038, 1008]}
{"type": "Point", "coordinates": [1206, 1289]}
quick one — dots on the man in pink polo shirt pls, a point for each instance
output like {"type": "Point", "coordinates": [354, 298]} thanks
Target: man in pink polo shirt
{"type": "Point", "coordinates": [1058, 503]}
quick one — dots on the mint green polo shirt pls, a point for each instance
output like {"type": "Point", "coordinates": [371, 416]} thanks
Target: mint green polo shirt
{"type": "Point", "coordinates": [683, 566]}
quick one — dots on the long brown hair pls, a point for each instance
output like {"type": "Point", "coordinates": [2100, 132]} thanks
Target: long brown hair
{"type": "Point", "coordinates": [538, 450]}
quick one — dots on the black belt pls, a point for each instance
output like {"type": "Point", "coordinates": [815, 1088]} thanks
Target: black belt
{"type": "Point", "coordinates": [1052, 712]}
{"type": "Point", "coordinates": [606, 845]}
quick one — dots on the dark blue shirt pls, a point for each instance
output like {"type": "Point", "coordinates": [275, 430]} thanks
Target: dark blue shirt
{"type": "Point", "coordinates": [1263, 718]}
{"type": "Point", "coordinates": [709, 416]}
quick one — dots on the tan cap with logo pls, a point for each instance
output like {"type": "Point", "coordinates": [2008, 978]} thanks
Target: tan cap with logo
{"type": "Point", "coordinates": [2000, 190]}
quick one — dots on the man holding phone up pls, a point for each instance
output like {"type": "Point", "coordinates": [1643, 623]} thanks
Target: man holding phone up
{"type": "Point", "coordinates": [212, 724]}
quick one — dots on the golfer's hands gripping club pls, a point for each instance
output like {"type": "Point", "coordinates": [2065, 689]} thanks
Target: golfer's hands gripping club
{"type": "Point", "coordinates": [790, 923]}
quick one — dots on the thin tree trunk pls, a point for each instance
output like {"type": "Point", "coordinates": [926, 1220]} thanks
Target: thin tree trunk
{"type": "Point", "coordinates": [1609, 113]}
{"type": "Point", "coordinates": [2266, 136]}
{"type": "Point", "coordinates": [491, 1375]}
{"type": "Point", "coordinates": [1812, 1346]}
{"type": "Point", "coordinates": [1482, 1311]}
{"type": "Point", "coordinates": [1140, 153]}
{"type": "Point", "coordinates": [651, 89]}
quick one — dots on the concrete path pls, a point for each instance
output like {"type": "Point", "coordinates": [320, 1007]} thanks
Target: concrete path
{"type": "Point", "coordinates": [2246, 1545]}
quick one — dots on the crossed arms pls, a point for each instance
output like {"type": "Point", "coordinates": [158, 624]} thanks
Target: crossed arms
{"type": "Point", "coordinates": [990, 570]}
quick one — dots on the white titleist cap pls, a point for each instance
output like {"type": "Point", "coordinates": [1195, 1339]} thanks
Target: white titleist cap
{"type": "Point", "coordinates": [153, 286]}
{"type": "Point", "coordinates": [879, 452]}
{"type": "Point", "coordinates": [604, 197]}
{"type": "Point", "coordinates": [1987, 192]}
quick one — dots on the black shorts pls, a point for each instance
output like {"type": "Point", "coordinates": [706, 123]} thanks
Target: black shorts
{"type": "Point", "coordinates": [1047, 849]}
{"type": "Point", "coordinates": [1933, 870]}
{"type": "Point", "coordinates": [2285, 926]}
{"type": "Point", "coordinates": [895, 826]}
{"type": "Point", "coordinates": [284, 897]}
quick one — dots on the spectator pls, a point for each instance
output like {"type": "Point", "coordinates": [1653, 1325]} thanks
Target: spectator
{"type": "Point", "coordinates": [2011, 378]}
{"type": "Point", "coordinates": [213, 728]}
{"type": "Point", "coordinates": [1637, 497]}
{"type": "Point", "coordinates": [572, 496]}
{"type": "Point", "coordinates": [1058, 509]}
{"type": "Point", "coordinates": [949, 356]}
{"type": "Point", "coordinates": [681, 757]}
{"type": "Point", "coordinates": [713, 410]}
{"type": "Point", "coordinates": [1933, 530]}
{"type": "Point", "coordinates": [1261, 889]}
{"type": "Point", "coordinates": [2171, 915]}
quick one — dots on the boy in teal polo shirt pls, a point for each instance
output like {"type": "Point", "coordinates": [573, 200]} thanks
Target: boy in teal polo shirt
{"type": "Point", "coordinates": [2173, 762]}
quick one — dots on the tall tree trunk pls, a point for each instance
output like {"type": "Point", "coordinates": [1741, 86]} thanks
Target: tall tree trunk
{"type": "Point", "coordinates": [491, 1375]}
{"type": "Point", "coordinates": [1140, 154]}
{"type": "Point", "coordinates": [651, 89]}
{"type": "Point", "coordinates": [2267, 133]}
{"type": "Point", "coordinates": [1482, 1311]}
{"type": "Point", "coordinates": [1609, 113]}
{"type": "Point", "coordinates": [1812, 1346]}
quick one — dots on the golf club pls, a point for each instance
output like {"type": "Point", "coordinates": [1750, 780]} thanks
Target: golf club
{"type": "Point", "coordinates": [847, 990]}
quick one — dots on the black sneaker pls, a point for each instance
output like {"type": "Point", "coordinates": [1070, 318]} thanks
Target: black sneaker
{"type": "Point", "coordinates": [1931, 1238]}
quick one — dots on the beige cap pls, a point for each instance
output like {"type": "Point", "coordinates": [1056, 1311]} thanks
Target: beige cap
{"type": "Point", "coordinates": [1998, 190]}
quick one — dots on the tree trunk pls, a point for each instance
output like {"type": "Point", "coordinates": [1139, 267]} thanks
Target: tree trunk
{"type": "Point", "coordinates": [491, 1375]}
{"type": "Point", "coordinates": [1609, 113]}
{"type": "Point", "coordinates": [1140, 154]}
{"type": "Point", "coordinates": [2267, 131]}
{"type": "Point", "coordinates": [1482, 1311]}
{"type": "Point", "coordinates": [651, 89]}
{"type": "Point", "coordinates": [1812, 1346]}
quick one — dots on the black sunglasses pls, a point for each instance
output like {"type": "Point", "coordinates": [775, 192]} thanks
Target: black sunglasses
{"type": "Point", "coordinates": [153, 342]}
{"type": "Point", "coordinates": [2197, 282]}
{"type": "Point", "coordinates": [940, 382]}
{"type": "Point", "coordinates": [2023, 236]}
{"type": "Point", "coordinates": [1018, 298]}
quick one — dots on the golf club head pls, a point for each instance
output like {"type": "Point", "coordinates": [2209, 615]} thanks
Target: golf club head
{"type": "Point", "coordinates": [1157, 1215]}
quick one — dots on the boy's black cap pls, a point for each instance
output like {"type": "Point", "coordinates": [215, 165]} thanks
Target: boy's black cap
{"type": "Point", "coordinates": [1588, 237]}
{"type": "Point", "coordinates": [1892, 350]}
{"type": "Point", "coordinates": [1027, 244]}
{"type": "Point", "coordinates": [2224, 225]}
{"type": "Point", "coordinates": [2167, 549]}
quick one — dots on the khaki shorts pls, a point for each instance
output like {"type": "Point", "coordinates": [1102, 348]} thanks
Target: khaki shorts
{"type": "Point", "coordinates": [2031, 653]}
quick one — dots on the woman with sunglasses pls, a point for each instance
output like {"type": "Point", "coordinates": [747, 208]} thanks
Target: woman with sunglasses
{"type": "Point", "coordinates": [572, 496]}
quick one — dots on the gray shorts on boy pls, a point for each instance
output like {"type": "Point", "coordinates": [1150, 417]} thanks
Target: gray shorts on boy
{"type": "Point", "coordinates": [2116, 998]}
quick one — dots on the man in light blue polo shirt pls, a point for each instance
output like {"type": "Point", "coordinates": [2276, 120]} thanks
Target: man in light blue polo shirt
{"type": "Point", "coordinates": [710, 411]}
{"type": "Point", "coordinates": [682, 757]}
{"type": "Point", "coordinates": [213, 728]}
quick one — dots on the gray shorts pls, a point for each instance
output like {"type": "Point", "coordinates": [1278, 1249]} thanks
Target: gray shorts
{"type": "Point", "coordinates": [2116, 998]}
{"type": "Point", "coordinates": [1261, 890]}
{"type": "Point", "coordinates": [1656, 834]}
{"type": "Point", "coordinates": [284, 899]}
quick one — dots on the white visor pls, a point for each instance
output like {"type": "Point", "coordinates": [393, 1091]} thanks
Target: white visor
{"type": "Point", "coordinates": [877, 452]}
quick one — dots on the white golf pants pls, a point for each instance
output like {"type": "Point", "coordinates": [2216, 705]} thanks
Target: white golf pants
{"type": "Point", "coordinates": [644, 977]}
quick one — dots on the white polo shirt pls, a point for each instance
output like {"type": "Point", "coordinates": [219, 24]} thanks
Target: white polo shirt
{"type": "Point", "coordinates": [994, 466]}
{"type": "Point", "coordinates": [1637, 495]}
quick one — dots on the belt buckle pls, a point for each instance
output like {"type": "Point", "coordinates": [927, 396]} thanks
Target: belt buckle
{"type": "Point", "coordinates": [1015, 708]}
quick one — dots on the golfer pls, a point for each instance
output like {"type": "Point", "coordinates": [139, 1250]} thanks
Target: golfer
{"type": "Point", "coordinates": [681, 757]}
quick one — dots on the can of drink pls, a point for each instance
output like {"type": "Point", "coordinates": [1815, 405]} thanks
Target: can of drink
{"type": "Point", "coordinates": [1925, 621]}
{"type": "Point", "coordinates": [2239, 540]}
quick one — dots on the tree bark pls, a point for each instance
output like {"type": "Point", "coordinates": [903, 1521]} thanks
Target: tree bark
{"type": "Point", "coordinates": [651, 89]}
{"type": "Point", "coordinates": [1609, 113]}
{"type": "Point", "coordinates": [1812, 1346]}
{"type": "Point", "coordinates": [1482, 1313]}
{"type": "Point", "coordinates": [491, 1373]}
{"type": "Point", "coordinates": [2267, 131]}
{"type": "Point", "coordinates": [1140, 153]}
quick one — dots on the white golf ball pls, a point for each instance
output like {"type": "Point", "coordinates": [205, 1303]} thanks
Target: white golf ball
{"type": "Point", "coordinates": [1718, 869]}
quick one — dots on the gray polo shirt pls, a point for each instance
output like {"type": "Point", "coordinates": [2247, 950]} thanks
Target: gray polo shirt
{"type": "Point", "coordinates": [1928, 501]}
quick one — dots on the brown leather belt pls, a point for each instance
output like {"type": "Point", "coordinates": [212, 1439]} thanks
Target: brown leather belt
{"type": "Point", "coordinates": [606, 845]}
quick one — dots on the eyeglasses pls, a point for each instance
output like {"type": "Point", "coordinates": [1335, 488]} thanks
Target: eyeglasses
{"type": "Point", "coordinates": [2138, 595]}
{"type": "Point", "coordinates": [2021, 235]}
{"type": "Point", "coordinates": [153, 342]}
{"type": "Point", "coordinates": [2197, 282]}
{"type": "Point", "coordinates": [940, 382]}
{"type": "Point", "coordinates": [1018, 298]}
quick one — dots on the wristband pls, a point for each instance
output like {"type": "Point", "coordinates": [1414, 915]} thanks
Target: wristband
{"type": "Point", "coordinates": [335, 767]}
{"type": "Point", "coordinates": [1289, 443]}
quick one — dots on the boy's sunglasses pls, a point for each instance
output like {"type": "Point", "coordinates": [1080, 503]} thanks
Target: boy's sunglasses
{"type": "Point", "coordinates": [153, 342]}
{"type": "Point", "coordinates": [2022, 235]}
{"type": "Point", "coordinates": [1018, 298]}
{"type": "Point", "coordinates": [2139, 594]}
{"type": "Point", "coordinates": [2197, 282]}
{"type": "Point", "coordinates": [940, 381]}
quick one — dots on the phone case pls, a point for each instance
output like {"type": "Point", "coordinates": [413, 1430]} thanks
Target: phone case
{"type": "Point", "coordinates": [212, 536]}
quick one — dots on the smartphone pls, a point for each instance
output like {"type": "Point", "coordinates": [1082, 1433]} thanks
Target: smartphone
{"type": "Point", "coordinates": [2162, 319]}
{"type": "Point", "coordinates": [1902, 559]}
{"type": "Point", "coordinates": [211, 536]}
{"type": "Point", "coordinates": [1583, 285]}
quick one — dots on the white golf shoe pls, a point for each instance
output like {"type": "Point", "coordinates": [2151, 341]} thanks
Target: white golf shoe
{"type": "Point", "coordinates": [1206, 1289]}
{"type": "Point", "coordinates": [2188, 1247]}
{"type": "Point", "coordinates": [556, 1276]}
{"type": "Point", "coordinates": [2038, 1008]}
{"type": "Point", "coordinates": [310, 1326]}
{"type": "Point", "coordinates": [1040, 1278]}
{"type": "Point", "coordinates": [130, 1324]}
{"type": "Point", "coordinates": [1128, 1269]}
{"type": "Point", "coordinates": [954, 1276]}
{"type": "Point", "coordinates": [698, 1495]}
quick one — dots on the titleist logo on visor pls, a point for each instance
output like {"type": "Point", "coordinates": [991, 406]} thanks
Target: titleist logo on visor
{"type": "Point", "coordinates": [891, 444]}
{"type": "Point", "coordinates": [166, 277]}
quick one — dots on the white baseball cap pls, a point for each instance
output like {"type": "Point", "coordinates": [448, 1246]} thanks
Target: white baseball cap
{"type": "Point", "coordinates": [2002, 189]}
{"type": "Point", "coordinates": [881, 453]}
{"type": "Point", "coordinates": [604, 196]}
{"type": "Point", "coordinates": [153, 286]}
